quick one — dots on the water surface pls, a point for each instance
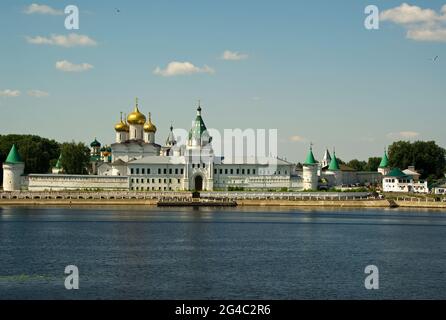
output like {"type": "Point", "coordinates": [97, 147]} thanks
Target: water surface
{"type": "Point", "coordinates": [236, 253]}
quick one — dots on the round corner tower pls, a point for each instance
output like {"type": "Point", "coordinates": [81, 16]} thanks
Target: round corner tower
{"type": "Point", "coordinates": [13, 169]}
{"type": "Point", "coordinates": [310, 179]}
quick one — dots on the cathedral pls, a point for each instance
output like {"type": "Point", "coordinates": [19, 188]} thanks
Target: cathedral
{"type": "Point", "coordinates": [193, 166]}
{"type": "Point", "coordinates": [136, 162]}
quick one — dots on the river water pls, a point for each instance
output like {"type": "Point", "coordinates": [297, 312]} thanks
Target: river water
{"type": "Point", "coordinates": [236, 253]}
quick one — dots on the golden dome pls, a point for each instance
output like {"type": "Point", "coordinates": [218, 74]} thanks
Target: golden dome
{"type": "Point", "coordinates": [149, 126]}
{"type": "Point", "coordinates": [136, 117]}
{"type": "Point", "coordinates": [121, 126]}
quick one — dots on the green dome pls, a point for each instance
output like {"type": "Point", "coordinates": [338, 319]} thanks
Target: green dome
{"type": "Point", "coordinates": [95, 143]}
{"type": "Point", "coordinates": [334, 165]}
{"type": "Point", "coordinates": [310, 158]}
{"type": "Point", "coordinates": [13, 156]}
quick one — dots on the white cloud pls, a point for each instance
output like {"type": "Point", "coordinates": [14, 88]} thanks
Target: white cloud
{"type": "Point", "coordinates": [297, 138]}
{"type": "Point", "coordinates": [405, 14]}
{"type": "Point", "coordinates": [176, 68]}
{"type": "Point", "coordinates": [9, 93]}
{"type": "Point", "coordinates": [435, 35]}
{"type": "Point", "coordinates": [38, 93]}
{"type": "Point", "coordinates": [233, 56]}
{"type": "Point", "coordinates": [67, 66]}
{"type": "Point", "coordinates": [72, 40]}
{"type": "Point", "coordinates": [420, 24]}
{"type": "Point", "coordinates": [403, 135]}
{"type": "Point", "coordinates": [42, 9]}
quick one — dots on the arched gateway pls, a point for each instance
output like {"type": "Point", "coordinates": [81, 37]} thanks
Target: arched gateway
{"type": "Point", "coordinates": [198, 183]}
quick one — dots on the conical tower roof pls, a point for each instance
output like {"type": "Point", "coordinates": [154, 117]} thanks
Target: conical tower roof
{"type": "Point", "coordinates": [171, 138]}
{"type": "Point", "coordinates": [198, 126]}
{"type": "Point", "coordinates": [310, 158]}
{"type": "Point", "coordinates": [384, 161]}
{"type": "Point", "coordinates": [58, 163]}
{"type": "Point", "coordinates": [334, 165]}
{"type": "Point", "coordinates": [327, 156]}
{"type": "Point", "coordinates": [13, 156]}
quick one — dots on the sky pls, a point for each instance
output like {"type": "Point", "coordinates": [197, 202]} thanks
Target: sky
{"type": "Point", "coordinates": [309, 69]}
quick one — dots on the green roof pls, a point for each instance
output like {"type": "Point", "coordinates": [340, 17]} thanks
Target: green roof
{"type": "Point", "coordinates": [58, 164]}
{"type": "Point", "coordinates": [334, 165]}
{"type": "Point", "coordinates": [310, 158]}
{"type": "Point", "coordinates": [384, 161]}
{"type": "Point", "coordinates": [396, 173]}
{"type": "Point", "coordinates": [198, 126]}
{"type": "Point", "coordinates": [13, 156]}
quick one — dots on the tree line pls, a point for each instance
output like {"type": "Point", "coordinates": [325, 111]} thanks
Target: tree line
{"type": "Point", "coordinates": [41, 154]}
{"type": "Point", "coordinates": [427, 157]}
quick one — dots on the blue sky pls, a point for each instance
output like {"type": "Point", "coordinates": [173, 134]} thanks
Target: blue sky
{"type": "Point", "coordinates": [310, 69]}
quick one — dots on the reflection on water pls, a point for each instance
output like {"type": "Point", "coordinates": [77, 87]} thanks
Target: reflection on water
{"type": "Point", "coordinates": [252, 253]}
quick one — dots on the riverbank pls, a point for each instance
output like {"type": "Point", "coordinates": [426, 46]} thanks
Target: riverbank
{"type": "Point", "coordinates": [215, 198]}
{"type": "Point", "coordinates": [317, 203]}
{"type": "Point", "coordinates": [76, 202]}
{"type": "Point", "coordinates": [242, 203]}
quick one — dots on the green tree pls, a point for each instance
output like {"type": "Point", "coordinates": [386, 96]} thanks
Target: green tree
{"type": "Point", "coordinates": [75, 157]}
{"type": "Point", "coordinates": [357, 165]}
{"type": "Point", "coordinates": [427, 157]}
{"type": "Point", "coordinates": [37, 152]}
{"type": "Point", "coordinates": [373, 164]}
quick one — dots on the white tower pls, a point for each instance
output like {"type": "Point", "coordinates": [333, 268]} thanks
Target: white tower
{"type": "Point", "coordinates": [335, 171]}
{"type": "Point", "coordinates": [199, 137]}
{"type": "Point", "coordinates": [168, 149]}
{"type": "Point", "coordinates": [13, 169]}
{"type": "Point", "coordinates": [326, 159]}
{"type": "Point", "coordinates": [199, 173]}
{"type": "Point", "coordinates": [170, 141]}
{"type": "Point", "coordinates": [384, 168]}
{"type": "Point", "coordinates": [310, 179]}
{"type": "Point", "coordinates": [136, 122]}
{"type": "Point", "coordinates": [149, 130]}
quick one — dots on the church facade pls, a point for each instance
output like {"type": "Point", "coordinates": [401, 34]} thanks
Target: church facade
{"type": "Point", "coordinates": [193, 166]}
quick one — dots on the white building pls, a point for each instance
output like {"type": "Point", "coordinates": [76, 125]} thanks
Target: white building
{"type": "Point", "coordinates": [440, 190]}
{"type": "Point", "coordinates": [440, 187]}
{"type": "Point", "coordinates": [397, 181]}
